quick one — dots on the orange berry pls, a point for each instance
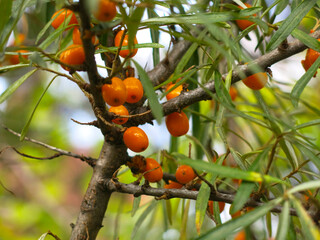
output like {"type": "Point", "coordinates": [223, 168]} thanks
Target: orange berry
{"type": "Point", "coordinates": [137, 164]}
{"type": "Point", "coordinates": [175, 92]}
{"type": "Point", "coordinates": [76, 37]}
{"type": "Point", "coordinates": [256, 81]}
{"type": "Point", "coordinates": [177, 124]}
{"type": "Point", "coordinates": [185, 174]}
{"type": "Point", "coordinates": [153, 172]}
{"type": "Point", "coordinates": [236, 214]}
{"type": "Point", "coordinates": [114, 94]}
{"type": "Point", "coordinates": [14, 59]}
{"type": "Point", "coordinates": [61, 15]}
{"type": "Point", "coordinates": [233, 93]}
{"type": "Point", "coordinates": [173, 185]}
{"type": "Point", "coordinates": [221, 206]}
{"type": "Point", "coordinates": [129, 52]}
{"type": "Point", "coordinates": [240, 235]}
{"type": "Point", "coordinates": [134, 89]}
{"type": "Point", "coordinates": [19, 39]}
{"type": "Point", "coordinates": [119, 110]}
{"type": "Point", "coordinates": [242, 23]}
{"type": "Point", "coordinates": [106, 10]}
{"type": "Point", "coordinates": [73, 55]}
{"type": "Point", "coordinates": [135, 139]}
{"type": "Point", "coordinates": [311, 57]}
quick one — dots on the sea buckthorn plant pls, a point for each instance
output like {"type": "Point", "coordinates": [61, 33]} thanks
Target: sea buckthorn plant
{"type": "Point", "coordinates": [191, 119]}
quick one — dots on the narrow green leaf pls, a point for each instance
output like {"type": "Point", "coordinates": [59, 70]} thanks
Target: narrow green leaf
{"type": "Point", "coordinates": [224, 230]}
{"type": "Point", "coordinates": [306, 151]}
{"type": "Point", "coordinates": [284, 222]}
{"type": "Point", "coordinates": [246, 188]}
{"type": "Point", "coordinates": [281, 6]}
{"type": "Point", "coordinates": [309, 229]}
{"type": "Point", "coordinates": [135, 205]}
{"type": "Point", "coordinates": [155, 106]}
{"type": "Point", "coordinates": [302, 82]}
{"type": "Point", "coordinates": [44, 29]}
{"type": "Point", "coordinates": [26, 126]}
{"type": "Point", "coordinates": [103, 49]}
{"type": "Point", "coordinates": [133, 24]}
{"type": "Point", "coordinates": [13, 87]}
{"type": "Point", "coordinates": [290, 23]}
{"type": "Point", "coordinates": [6, 6]}
{"type": "Point", "coordinates": [223, 171]}
{"type": "Point", "coordinates": [154, 32]}
{"type": "Point", "coordinates": [289, 152]}
{"type": "Point", "coordinates": [307, 40]}
{"type": "Point", "coordinates": [142, 217]}
{"type": "Point", "coordinates": [304, 186]}
{"type": "Point", "coordinates": [307, 124]}
{"type": "Point", "coordinates": [13, 67]}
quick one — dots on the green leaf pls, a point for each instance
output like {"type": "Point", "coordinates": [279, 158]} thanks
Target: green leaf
{"type": "Point", "coordinates": [289, 152]}
{"type": "Point", "coordinates": [142, 217]}
{"type": "Point", "coordinates": [290, 23]}
{"type": "Point", "coordinates": [103, 49]}
{"type": "Point", "coordinates": [309, 229]}
{"type": "Point", "coordinates": [281, 6]}
{"type": "Point", "coordinates": [224, 230]}
{"type": "Point", "coordinates": [135, 206]}
{"type": "Point", "coordinates": [13, 67]}
{"type": "Point", "coordinates": [304, 186]}
{"type": "Point", "coordinates": [26, 126]}
{"type": "Point", "coordinates": [223, 171]}
{"type": "Point", "coordinates": [246, 188]}
{"type": "Point", "coordinates": [155, 106]}
{"type": "Point", "coordinates": [284, 221]}
{"type": "Point", "coordinates": [302, 82]}
{"type": "Point", "coordinates": [6, 6]}
{"type": "Point", "coordinates": [45, 28]}
{"type": "Point", "coordinates": [306, 39]}
{"type": "Point", "coordinates": [133, 24]}
{"type": "Point", "coordinates": [13, 87]}
{"type": "Point", "coordinates": [154, 32]}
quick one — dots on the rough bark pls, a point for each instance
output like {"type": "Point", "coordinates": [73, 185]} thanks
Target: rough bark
{"type": "Point", "coordinates": [95, 201]}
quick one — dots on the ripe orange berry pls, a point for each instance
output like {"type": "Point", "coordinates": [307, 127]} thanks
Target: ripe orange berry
{"type": "Point", "coordinates": [240, 235]}
{"type": "Point", "coordinates": [185, 174]}
{"type": "Point", "coordinates": [311, 57]}
{"type": "Point", "coordinates": [173, 185]}
{"type": "Point", "coordinates": [134, 89]}
{"type": "Point", "coordinates": [242, 23]}
{"type": "Point", "coordinates": [61, 15]}
{"type": "Point", "coordinates": [221, 206]}
{"type": "Point", "coordinates": [76, 37]}
{"type": "Point", "coordinates": [73, 55]}
{"type": "Point", "coordinates": [129, 52]}
{"type": "Point", "coordinates": [233, 93]}
{"type": "Point", "coordinates": [137, 164]}
{"type": "Point", "coordinates": [177, 124]}
{"type": "Point", "coordinates": [256, 81]}
{"type": "Point", "coordinates": [135, 139]}
{"type": "Point", "coordinates": [14, 59]}
{"type": "Point", "coordinates": [106, 10]}
{"type": "Point", "coordinates": [119, 110]}
{"type": "Point", "coordinates": [175, 92]}
{"type": "Point", "coordinates": [156, 173]}
{"type": "Point", "coordinates": [114, 94]}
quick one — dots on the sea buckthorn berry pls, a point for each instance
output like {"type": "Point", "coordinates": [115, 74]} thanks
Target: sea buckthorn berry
{"type": "Point", "coordinates": [125, 53]}
{"type": "Point", "coordinates": [185, 174]}
{"type": "Point", "coordinates": [177, 124]}
{"type": "Point", "coordinates": [243, 23]}
{"type": "Point", "coordinates": [175, 92]}
{"type": "Point", "coordinates": [119, 110]}
{"type": "Point", "coordinates": [14, 59]}
{"type": "Point", "coordinates": [173, 185]}
{"type": "Point", "coordinates": [106, 10]}
{"type": "Point", "coordinates": [311, 57]}
{"type": "Point", "coordinates": [73, 55]}
{"type": "Point", "coordinates": [153, 171]}
{"type": "Point", "coordinates": [76, 37]}
{"type": "Point", "coordinates": [134, 89]}
{"type": "Point", "coordinates": [256, 81]}
{"type": "Point", "coordinates": [19, 39]}
{"type": "Point", "coordinates": [240, 235]}
{"type": "Point", "coordinates": [210, 206]}
{"type": "Point", "coordinates": [114, 94]}
{"type": "Point", "coordinates": [136, 139]}
{"type": "Point", "coordinates": [61, 15]}
{"type": "Point", "coordinates": [233, 93]}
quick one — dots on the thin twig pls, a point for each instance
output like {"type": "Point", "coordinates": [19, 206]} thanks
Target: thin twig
{"type": "Point", "coordinates": [91, 161]}
{"type": "Point", "coordinates": [93, 123]}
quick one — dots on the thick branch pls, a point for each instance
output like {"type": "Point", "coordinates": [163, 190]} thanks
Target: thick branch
{"type": "Point", "coordinates": [95, 201]}
{"type": "Point", "coordinates": [163, 193]}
